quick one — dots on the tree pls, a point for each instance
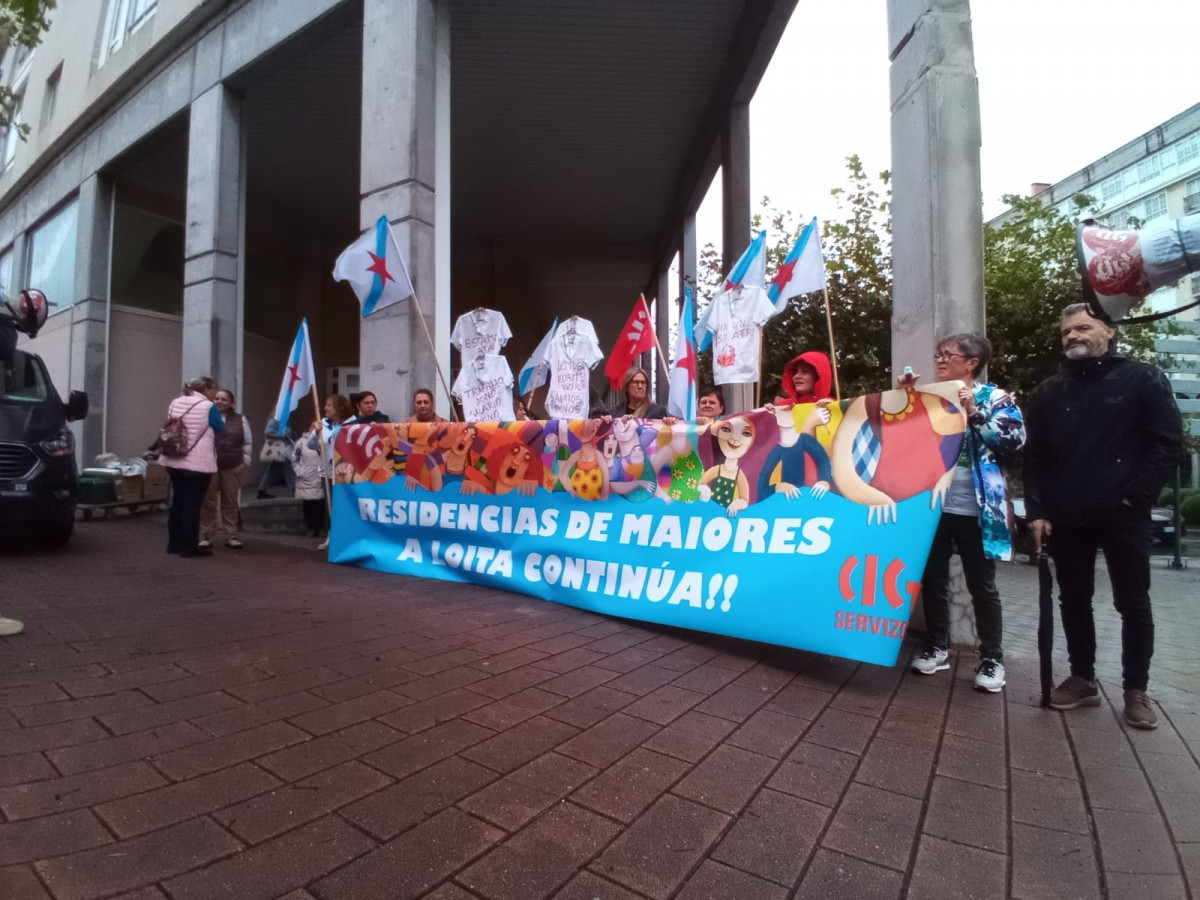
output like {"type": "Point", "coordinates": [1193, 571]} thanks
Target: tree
{"type": "Point", "coordinates": [857, 251]}
{"type": "Point", "coordinates": [21, 24]}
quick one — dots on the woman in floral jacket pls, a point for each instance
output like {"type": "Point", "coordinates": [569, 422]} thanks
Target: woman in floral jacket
{"type": "Point", "coordinates": [974, 512]}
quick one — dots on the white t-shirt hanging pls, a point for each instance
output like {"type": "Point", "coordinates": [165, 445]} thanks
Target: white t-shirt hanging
{"type": "Point", "coordinates": [573, 352]}
{"type": "Point", "coordinates": [737, 314]}
{"type": "Point", "coordinates": [485, 388]}
{"type": "Point", "coordinates": [481, 332]}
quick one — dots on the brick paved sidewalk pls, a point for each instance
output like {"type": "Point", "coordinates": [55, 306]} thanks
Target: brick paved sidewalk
{"type": "Point", "coordinates": [265, 725]}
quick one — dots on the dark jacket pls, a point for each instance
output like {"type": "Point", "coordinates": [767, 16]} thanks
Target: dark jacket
{"type": "Point", "coordinates": [1104, 431]}
{"type": "Point", "coordinates": [653, 411]}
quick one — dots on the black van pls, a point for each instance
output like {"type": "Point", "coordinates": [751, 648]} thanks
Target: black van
{"type": "Point", "coordinates": [39, 481]}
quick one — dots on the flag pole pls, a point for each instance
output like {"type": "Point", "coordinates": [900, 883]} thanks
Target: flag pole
{"type": "Point", "coordinates": [662, 359]}
{"type": "Point", "coordinates": [424, 326]}
{"type": "Point", "coordinates": [321, 449]}
{"type": "Point", "coordinates": [837, 388]}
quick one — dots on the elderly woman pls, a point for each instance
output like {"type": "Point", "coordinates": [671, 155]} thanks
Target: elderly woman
{"type": "Point", "coordinates": [232, 446]}
{"type": "Point", "coordinates": [191, 472]}
{"type": "Point", "coordinates": [321, 436]}
{"type": "Point", "coordinates": [638, 404]}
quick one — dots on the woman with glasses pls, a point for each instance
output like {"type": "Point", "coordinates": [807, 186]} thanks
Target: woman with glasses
{"type": "Point", "coordinates": [638, 404]}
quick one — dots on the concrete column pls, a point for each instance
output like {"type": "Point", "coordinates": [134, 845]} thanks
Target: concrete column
{"type": "Point", "coordinates": [937, 214]}
{"type": "Point", "coordinates": [399, 180]}
{"type": "Point", "coordinates": [665, 312]}
{"type": "Point", "coordinates": [735, 213]}
{"type": "Point", "coordinates": [213, 239]}
{"type": "Point", "coordinates": [689, 261]}
{"type": "Point", "coordinates": [89, 315]}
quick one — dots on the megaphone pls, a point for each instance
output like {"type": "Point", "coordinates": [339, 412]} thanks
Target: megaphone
{"type": "Point", "coordinates": [29, 311]}
{"type": "Point", "coordinates": [1120, 268]}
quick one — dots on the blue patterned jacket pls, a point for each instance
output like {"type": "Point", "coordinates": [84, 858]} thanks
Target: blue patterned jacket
{"type": "Point", "coordinates": [994, 428]}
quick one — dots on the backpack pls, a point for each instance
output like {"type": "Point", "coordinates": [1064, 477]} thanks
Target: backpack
{"type": "Point", "coordinates": [173, 436]}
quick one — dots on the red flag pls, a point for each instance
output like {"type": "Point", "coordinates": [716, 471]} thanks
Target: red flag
{"type": "Point", "coordinates": [636, 337]}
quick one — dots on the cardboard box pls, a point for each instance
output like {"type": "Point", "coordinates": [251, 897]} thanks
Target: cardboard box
{"type": "Point", "coordinates": [129, 488]}
{"type": "Point", "coordinates": [155, 484]}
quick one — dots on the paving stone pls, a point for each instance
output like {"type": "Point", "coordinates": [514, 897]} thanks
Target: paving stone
{"type": "Point", "coordinates": [900, 768]}
{"type": "Point", "coordinates": [769, 733]}
{"type": "Point", "coordinates": [628, 660]}
{"type": "Point", "coordinates": [644, 680]}
{"type": "Point", "coordinates": [349, 712]}
{"type": "Point", "coordinates": [116, 750]}
{"type": "Point", "coordinates": [587, 709]}
{"type": "Point", "coordinates": [301, 760]}
{"type": "Point", "coordinates": [1046, 755]}
{"type": "Point", "coordinates": [733, 702]}
{"type": "Point", "coordinates": [815, 773]}
{"type": "Point", "coordinates": [1048, 802]}
{"type": "Point", "coordinates": [981, 723]}
{"type": "Point", "coordinates": [218, 753]}
{"type": "Point", "coordinates": [111, 684]}
{"type": "Point", "coordinates": [654, 855]}
{"type": "Point", "coordinates": [968, 813]}
{"type": "Point", "coordinates": [424, 749]}
{"type": "Point", "coordinates": [415, 861]}
{"type": "Point", "coordinates": [49, 737]}
{"type": "Point", "coordinates": [1116, 787]}
{"type": "Point", "coordinates": [1145, 887]}
{"type": "Point", "coordinates": [928, 694]}
{"type": "Point", "coordinates": [705, 679]}
{"type": "Point", "coordinates": [1135, 843]}
{"type": "Point", "coordinates": [287, 806]}
{"type": "Point", "coordinates": [713, 881]}
{"type": "Point", "coordinates": [664, 705]}
{"type": "Point", "coordinates": [55, 835]}
{"type": "Point", "coordinates": [390, 811]}
{"type": "Point", "coordinates": [69, 710]}
{"type": "Point", "coordinates": [726, 779]}
{"type": "Point", "coordinates": [944, 869]}
{"type": "Point", "coordinates": [874, 825]}
{"type": "Point", "coordinates": [606, 742]}
{"type": "Point", "coordinates": [1101, 748]}
{"type": "Point", "coordinates": [427, 713]}
{"type": "Point", "coordinates": [497, 663]}
{"type": "Point", "coordinates": [1052, 864]}
{"type": "Point", "coordinates": [836, 875]}
{"type": "Point", "coordinates": [587, 886]}
{"type": "Point", "coordinates": [774, 837]}
{"type": "Point", "coordinates": [138, 861]}
{"type": "Point", "coordinates": [519, 744]}
{"type": "Point", "coordinates": [25, 768]}
{"type": "Point", "coordinates": [971, 760]}
{"type": "Point", "coordinates": [513, 709]}
{"type": "Point", "coordinates": [911, 725]}
{"type": "Point", "coordinates": [176, 803]}
{"type": "Point", "coordinates": [251, 715]}
{"type": "Point", "coordinates": [350, 688]}
{"type": "Point", "coordinates": [691, 736]}
{"type": "Point", "coordinates": [863, 700]}
{"type": "Point", "coordinates": [542, 856]}
{"type": "Point", "coordinates": [562, 663]}
{"type": "Point", "coordinates": [19, 883]}
{"type": "Point", "coordinates": [685, 659]}
{"type": "Point", "coordinates": [76, 791]}
{"type": "Point", "coordinates": [513, 801]}
{"type": "Point", "coordinates": [578, 681]}
{"type": "Point", "coordinates": [498, 687]}
{"type": "Point", "coordinates": [277, 866]}
{"type": "Point", "coordinates": [630, 785]}
{"type": "Point", "coordinates": [841, 730]}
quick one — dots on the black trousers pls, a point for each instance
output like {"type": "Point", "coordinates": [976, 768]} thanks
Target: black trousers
{"type": "Point", "coordinates": [1124, 536]}
{"type": "Point", "coordinates": [314, 515]}
{"type": "Point", "coordinates": [183, 519]}
{"type": "Point", "coordinates": [962, 533]}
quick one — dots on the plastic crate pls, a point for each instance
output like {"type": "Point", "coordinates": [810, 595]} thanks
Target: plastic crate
{"type": "Point", "coordinates": [96, 489]}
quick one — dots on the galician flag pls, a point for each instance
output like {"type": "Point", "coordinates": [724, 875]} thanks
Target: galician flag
{"type": "Point", "coordinates": [298, 378]}
{"type": "Point", "coordinates": [750, 270]}
{"type": "Point", "coordinates": [636, 337]}
{"type": "Point", "coordinates": [375, 269]}
{"type": "Point", "coordinates": [681, 401]}
{"type": "Point", "coordinates": [537, 367]}
{"type": "Point", "coordinates": [802, 272]}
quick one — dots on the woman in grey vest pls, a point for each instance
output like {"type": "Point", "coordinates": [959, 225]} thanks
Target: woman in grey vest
{"type": "Point", "coordinates": [233, 455]}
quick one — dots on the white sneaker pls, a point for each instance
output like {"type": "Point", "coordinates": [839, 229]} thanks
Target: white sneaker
{"type": "Point", "coordinates": [9, 627]}
{"type": "Point", "coordinates": [930, 660]}
{"type": "Point", "coordinates": [204, 545]}
{"type": "Point", "coordinates": [234, 544]}
{"type": "Point", "coordinates": [989, 676]}
{"type": "Point", "coordinates": [324, 545]}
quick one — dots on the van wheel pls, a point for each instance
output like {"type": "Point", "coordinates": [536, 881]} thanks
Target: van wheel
{"type": "Point", "coordinates": [57, 534]}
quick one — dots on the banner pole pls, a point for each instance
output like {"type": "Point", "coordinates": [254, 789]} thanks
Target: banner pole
{"type": "Point", "coordinates": [837, 388]}
{"type": "Point", "coordinates": [758, 384]}
{"type": "Point", "coordinates": [421, 315]}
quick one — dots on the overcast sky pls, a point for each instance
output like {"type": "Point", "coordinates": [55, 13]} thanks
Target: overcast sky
{"type": "Point", "coordinates": [1061, 83]}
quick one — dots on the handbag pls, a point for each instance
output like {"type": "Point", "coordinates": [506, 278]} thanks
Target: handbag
{"type": "Point", "coordinates": [274, 450]}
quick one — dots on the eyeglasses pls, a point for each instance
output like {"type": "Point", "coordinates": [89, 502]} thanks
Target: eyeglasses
{"type": "Point", "coordinates": [946, 354]}
{"type": "Point", "coordinates": [638, 381]}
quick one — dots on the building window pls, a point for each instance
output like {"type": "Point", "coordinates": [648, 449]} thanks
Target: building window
{"type": "Point", "coordinates": [1148, 168]}
{"type": "Point", "coordinates": [1188, 149]}
{"type": "Point", "coordinates": [52, 256]}
{"type": "Point", "coordinates": [1156, 206]}
{"type": "Point", "coordinates": [12, 134]}
{"type": "Point", "coordinates": [6, 261]}
{"type": "Point", "coordinates": [1111, 187]}
{"type": "Point", "coordinates": [50, 97]}
{"type": "Point", "coordinates": [124, 18]}
{"type": "Point", "coordinates": [1191, 197]}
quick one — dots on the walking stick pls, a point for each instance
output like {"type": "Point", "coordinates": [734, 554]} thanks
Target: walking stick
{"type": "Point", "coordinates": [1045, 634]}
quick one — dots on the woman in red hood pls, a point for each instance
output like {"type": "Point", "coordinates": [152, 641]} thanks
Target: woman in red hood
{"type": "Point", "coordinates": [807, 378]}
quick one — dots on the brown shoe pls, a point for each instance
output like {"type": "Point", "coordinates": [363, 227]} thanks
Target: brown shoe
{"type": "Point", "coordinates": [1138, 711]}
{"type": "Point", "coordinates": [1073, 692]}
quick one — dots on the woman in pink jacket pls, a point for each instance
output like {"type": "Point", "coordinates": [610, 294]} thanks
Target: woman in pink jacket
{"type": "Point", "coordinates": [191, 473]}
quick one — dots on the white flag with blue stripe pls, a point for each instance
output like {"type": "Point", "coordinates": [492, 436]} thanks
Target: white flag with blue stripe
{"type": "Point", "coordinates": [298, 378]}
{"type": "Point", "coordinates": [375, 269]}
{"type": "Point", "coordinates": [537, 368]}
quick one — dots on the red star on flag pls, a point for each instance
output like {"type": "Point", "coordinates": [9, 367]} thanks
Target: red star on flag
{"type": "Point", "coordinates": [688, 363]}
{"type": "Point", "coordinates": [379, 267]}
{"type": "Point", "coordinates": [784, 275]}
{"type": "Point", "coordinates": [293, 375]}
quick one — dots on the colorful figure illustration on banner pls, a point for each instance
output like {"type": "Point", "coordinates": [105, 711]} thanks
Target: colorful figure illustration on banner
{"type": "Point", "coordinates": [678, 463]}
{"type": "Point", "coordinates": [726, 483]}
{"type": "Point", "coordinates": [584, 473]}
{"type": "Point", "coordinates": [798, 459]}
{"type": "Point", "coordinates": [509, 464]}
{"type": "Point", "coordinates": [455, 443]}
{"type": "Point", "coordinates": [630, 475]}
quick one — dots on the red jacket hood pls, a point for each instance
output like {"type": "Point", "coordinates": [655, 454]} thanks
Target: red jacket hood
{"type": "Point", "coordinates": [818, 361]}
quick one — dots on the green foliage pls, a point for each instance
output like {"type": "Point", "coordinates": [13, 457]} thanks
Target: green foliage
{"type": "Point", "coordinates": [857, 251]}
{"type": "Point", "coordinates": [1189, 509]}
{"type": "Point", "coordinates": [1167, 497]}
{"type": "Point", "coordinates": [21, 23]}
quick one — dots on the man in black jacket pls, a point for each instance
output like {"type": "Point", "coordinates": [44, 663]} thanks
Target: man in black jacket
{"type": "Point", "coordinates": [1102, 435]}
